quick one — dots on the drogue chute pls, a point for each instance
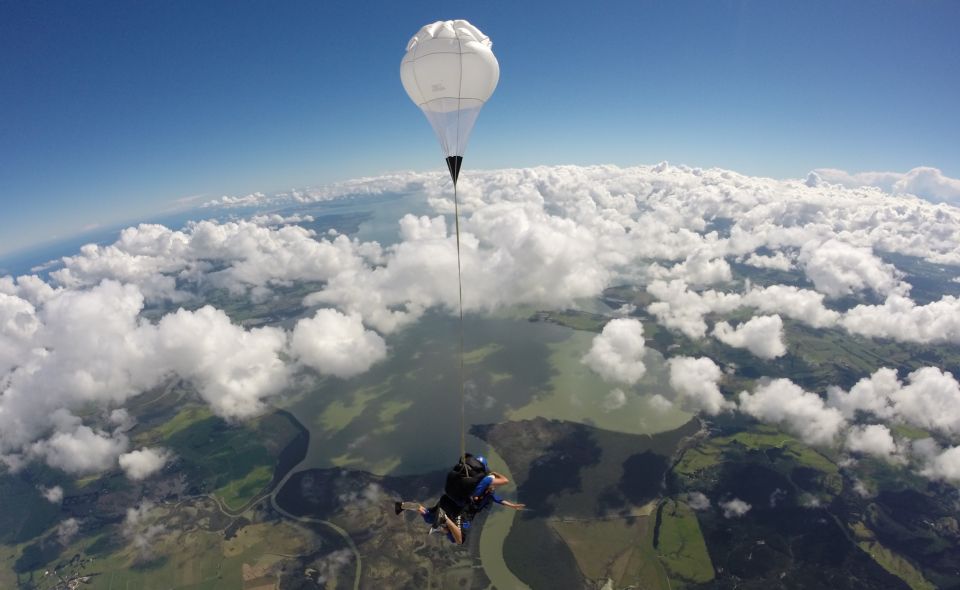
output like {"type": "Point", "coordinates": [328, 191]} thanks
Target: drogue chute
{"type": "Point", "coordinates": [450, 72]}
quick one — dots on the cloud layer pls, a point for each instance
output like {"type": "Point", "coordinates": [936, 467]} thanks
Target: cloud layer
{"type": "Point", "coordinates": [924, 181]}
{"type": "Point", "coordinates": [108, 324]}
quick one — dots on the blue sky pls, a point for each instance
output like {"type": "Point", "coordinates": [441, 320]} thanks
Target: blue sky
{"type": "Point", "coordinates": [111, 111]}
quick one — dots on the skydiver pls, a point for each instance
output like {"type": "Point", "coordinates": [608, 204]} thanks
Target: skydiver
{"type": "Point", "coordinates": [470, 488]}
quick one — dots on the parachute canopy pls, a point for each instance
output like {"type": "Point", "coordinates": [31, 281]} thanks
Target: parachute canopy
{"type": "Point", "coordinates": [450, 71]}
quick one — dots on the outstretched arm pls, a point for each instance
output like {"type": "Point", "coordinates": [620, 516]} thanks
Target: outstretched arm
{"type": "Point", "coordinates": [498, 479]}
{"type": "Point", "coordinates": [513, 505]}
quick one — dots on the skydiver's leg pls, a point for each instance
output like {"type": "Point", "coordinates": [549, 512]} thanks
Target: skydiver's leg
{"type": "Point", "coordinates": [399, 507]}
{"type": "Point", "coordinates": [455, 531]}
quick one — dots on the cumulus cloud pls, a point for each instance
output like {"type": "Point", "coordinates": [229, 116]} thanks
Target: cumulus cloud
{"type": "Point", "coordinates": [30, 288]}
{"type": "Point", "coordinates": [924, 181]}
{"type": "Point", "coordinates": [67, 530]}
{"type": "Point", "coordinates": [778, 261]}
{"type": "Point", "coordinates": [18, 325]}
{"type": "Point", "coordinates": [682, 309]}
{"type": "Point", "coordinates": [329, 566]}
{"type": "Point", "coordinates": [873, 439]}
{"type": "Point", "coordinates": [545, 236]}
{"type": "Point", "coordinates": [800, 412]}
{"type": "Point", "coordinates": [156, 258]}
{"type": "Point", "coordinates": [142, 527]}
{"type": "Point", "coordinates": [838, 268]}
{"type": "Point", "coordinates": [121, 419]}
{"type": "Point", "coordinates": [802, 305]}
{"type": "Point", "coordinates": [699, 269]}
{"type": "Point", "coordinates": [92, 346]}
{"type": "Point", "coordinates": [660, 404]}
{"type": "Point", "coordinates": [614, 400]}
{"type": "Point", "coordinates": [82, 450]}
{"type": "Point", "coordinates": [900, 318]}
{"type": "Point", "coordinates": [860, 489]}
{"type": "Point", "coordinates": [695, 382]}
{"type": "Point", "coordinates": [735, 508]}
{"type": "Point", "coordinates": [930, 399]}
{"type": "Point", "coordinates": [698, 501]}
{"type": "Point", "coordinates": [143, 463]}
{"type": "Point", "coordinates": [362, 498]}
{"type": "Point", "coordinates": [617, 353]}
{"type": "Point", "coordinates": [871, 394]}
{"type": "Point", "coordinates": [400, 182]}
{"type": "Point", "coordinates": [761, 335]}
{"type": "Point", "coordinates": [944, 465]}
{"type": "Point", "coordinates": [336, 344]}
{"type": "Point", "coordinates": [234, 368]}
{"type": "Point", "coordinates": [53, 494]}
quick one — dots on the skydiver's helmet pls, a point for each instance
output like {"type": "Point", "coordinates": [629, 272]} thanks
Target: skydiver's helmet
{"type": "Point", "coordinates": [464, 477]}
{"type": "Point", "coordinates": [483, 461]}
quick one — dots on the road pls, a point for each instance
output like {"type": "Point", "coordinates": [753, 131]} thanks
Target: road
{"type": "Point", "coordinates": [272, 493]}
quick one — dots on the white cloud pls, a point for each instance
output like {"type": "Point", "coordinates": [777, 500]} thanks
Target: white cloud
{"type": "Point", "coordinates": [860, 489]}
{"type": "Point", "coordinates": [329, 566]}
{"type": "Point", "coordinates": [901, 319]}
{"type": "Point", "coordinates": [617, 353]}
{"type": "Point", "coordinates": [800, 304]}
{"type": "Point", "coordinates": [30, 288]}
{"type": "Point", "coordinates": [929, 400]}
{"type": "Point", "coordinates": [122, 419]}
{"type": "Point", "coordinates": [399, 182]}
{"type": "Point", "coordinates": [871, 394]}
{"type": "Point", "coordinates": [91, 346]}
{"type": "Point", "coordinates": [778, 261]}
{"type": "Point", "coordinates": [67, 530]}
{"type": "Point", "coordinates": [929, 183]}
{"type": "Point", "coordinates": [143, 463]}
{"type": "Point", "coordinates": [80, 451]}
{"type": "Point", "coordinates": [838, 268]}
{"type": "Point", "coordinates": [761, 335]}
{"type": "Point", "coordinates": [735, 508]}
{"type": "Point", "coordinates": [924, 181]}
{"type": "Point", "coordinates": [142, 527]}
{"type": "Point", "coordinates": [802, 413]}
{"type": "Point", "coordinates": [659, 403]}
{"type": "Point", "coordinates": [944, 465]}
{"type": "Point", "coordinates": [614, 400]}
{"type": "Point", "coordinates": [544, 236]}
{"type": "Point", "coordinates": [362, 498]}
{"type": "Point", "coordinates": [874, 440]}
{"type": "Point", "coordinates": [695, 382]}
{"type": "Point", "coordinates": [53, 494]}
{"type": "Point", "coordinates": [699, 269]}
{"type": "Point", "coordinates": [234, 369]}
{"type": "Point", "coordinates": [681, 309]}
{"type": "Point", "coordinates": [18, 326]}
{"type": "Point", "coordinates": [154, 258]}
{"type": "Point", "coordinates": [776, 496]}
{"type": "Point", "coordinates": [698, 501]}
{"type": "Point", "coordinates": [336, 344]}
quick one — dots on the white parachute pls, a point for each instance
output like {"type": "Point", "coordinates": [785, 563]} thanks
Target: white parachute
{"type": "Point", "coordinates": [449, 71]}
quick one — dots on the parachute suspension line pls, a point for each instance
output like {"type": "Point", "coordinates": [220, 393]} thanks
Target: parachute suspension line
{"type": "Point", "coordinates": [463, 396]}
{"type": "Point", "coordinates": [456, 212]}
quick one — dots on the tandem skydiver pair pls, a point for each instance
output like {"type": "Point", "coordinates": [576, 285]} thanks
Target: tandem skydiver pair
{"type": "Point", "coordinates": [470, 487]}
